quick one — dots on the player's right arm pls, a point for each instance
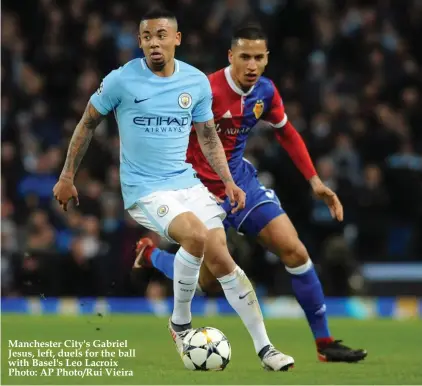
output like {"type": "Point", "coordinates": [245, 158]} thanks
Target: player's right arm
{"type": "Point", "coordinates": [79, 143]}
{"type": "Point", "coordinates": [104, 100]}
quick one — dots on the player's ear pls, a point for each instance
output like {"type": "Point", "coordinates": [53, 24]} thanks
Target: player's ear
{"type": "Point", "coordinates": [230, 55]}
{"type": "Point", "coordinates": [178, 38]}
{"type": "Point", "coordinates": [140, 41]}
{"type": "Point", "coordinates": [266, 57]}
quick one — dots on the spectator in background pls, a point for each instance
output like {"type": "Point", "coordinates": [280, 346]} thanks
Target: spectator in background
{"type": "Point", "coordinates": [404, 173]}
{"type": "Point", "coordinates": [346, 159]}
{"type": "Point", "coordinates": [372, 211]}
{"type": "Point", "coordinates": [411, 102]}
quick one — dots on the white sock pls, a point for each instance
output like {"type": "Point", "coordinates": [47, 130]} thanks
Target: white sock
{"type": "Point", "coordinates": [242, 297]}
{"type": "Point", "coordinates": [186, 275]}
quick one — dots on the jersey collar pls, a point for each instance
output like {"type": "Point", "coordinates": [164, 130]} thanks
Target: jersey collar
{"type": "Point", "coordinates": [233, 85]}
{"type": "Point", "coordinates": [145, 66]}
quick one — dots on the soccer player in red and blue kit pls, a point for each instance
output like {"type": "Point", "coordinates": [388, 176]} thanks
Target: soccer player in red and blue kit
{"type": "Point", "coordinates": [242, 98]}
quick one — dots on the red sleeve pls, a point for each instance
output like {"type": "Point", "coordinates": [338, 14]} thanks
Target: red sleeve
{"type": "Point", "coordinates": [293, 143]}
{"type": "Point", "coordinates": [276, 116]}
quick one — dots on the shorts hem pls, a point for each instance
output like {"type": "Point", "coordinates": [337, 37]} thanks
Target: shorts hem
{"type": "Point", "coordinates": [254, 207]}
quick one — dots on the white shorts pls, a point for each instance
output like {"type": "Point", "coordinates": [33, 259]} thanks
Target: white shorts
{"type": "Point", "coordinates": [157, 210]}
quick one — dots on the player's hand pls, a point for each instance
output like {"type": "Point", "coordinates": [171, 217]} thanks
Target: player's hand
{"type": "Point", "coordinates": [323, 192]}
{"type": "Point", "coordinates": [64, 191]}
{"type": "Point", "coordinates": [236, 196]}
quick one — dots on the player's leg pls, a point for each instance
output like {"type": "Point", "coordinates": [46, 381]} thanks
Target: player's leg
{"type": "Point", "coordinates": [147, 255]}
{"type": "Point", "coordinates": [241, 295]}
{"type": "Point", "coordinates": [203, 213]}
{"type": "Point", "coordinates": [191, 234]}
{"type": "Point", "coordinates": [207, 282]}
{"type": "Point", "coordinates": [177, 224]}
{"type": "Point", "coordinates": [277, 234]}
{"type": "Point", "coordinates": [237, 287]}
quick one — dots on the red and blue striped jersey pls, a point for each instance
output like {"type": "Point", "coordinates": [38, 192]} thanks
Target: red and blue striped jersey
{"type": "Point", "coordinates": [235, 114]}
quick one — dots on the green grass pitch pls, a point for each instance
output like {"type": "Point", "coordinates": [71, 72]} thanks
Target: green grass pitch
{"type": "Point", "coordinates": [395, 350]}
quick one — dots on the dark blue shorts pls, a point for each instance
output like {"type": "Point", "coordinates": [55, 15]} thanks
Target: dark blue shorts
{"type": "Point", "coordinates": [262, 205]}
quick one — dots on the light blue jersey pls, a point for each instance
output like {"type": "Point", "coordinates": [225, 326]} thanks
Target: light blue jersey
{"type": "Point", "coordinates": [154, 115]}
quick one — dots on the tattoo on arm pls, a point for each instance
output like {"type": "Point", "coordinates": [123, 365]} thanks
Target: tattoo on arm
{"type": "Point", "coordinates": [213, 149]}
{"type": "Point", "coordinates": [80, 141]}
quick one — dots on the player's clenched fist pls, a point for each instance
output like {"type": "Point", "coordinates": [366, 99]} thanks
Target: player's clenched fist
{"type": "Point", "coordinates": [64, 191]}
{"type": "Point", "coordinates": [235, 195]}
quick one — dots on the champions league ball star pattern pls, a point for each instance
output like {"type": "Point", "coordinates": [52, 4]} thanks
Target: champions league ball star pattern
{"type": "Point", "coordinates": [206, 349]}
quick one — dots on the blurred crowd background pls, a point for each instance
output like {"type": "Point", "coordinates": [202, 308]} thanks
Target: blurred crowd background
{"type": "Point", "coordinates": [350, 74]}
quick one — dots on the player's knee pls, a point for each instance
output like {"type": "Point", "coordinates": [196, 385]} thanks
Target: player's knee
{"type": "Point", "coordinates": [190, 233]}
{"type": "Point", "coordinates": [295, 254]}
{"type": "Point", "coordinates": [196, 238]}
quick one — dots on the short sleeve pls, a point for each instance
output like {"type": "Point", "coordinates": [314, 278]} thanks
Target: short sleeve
{"type": "Point", "coordinates": [107, 97]}
{"type": "Point", "coordinates": [276, 116]}
{"type": "Point", "coordinates": [202, 111]}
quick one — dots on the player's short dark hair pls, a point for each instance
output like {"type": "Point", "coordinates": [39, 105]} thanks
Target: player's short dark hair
{"type": "Point", "coordinates": [159, 13]}
{"type": "Point", "coordinates": [249, 30]}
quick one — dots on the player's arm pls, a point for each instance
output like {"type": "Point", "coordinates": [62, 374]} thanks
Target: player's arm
{"type": "Point", "coordinates": [79, 143]}
{"type": "Point", "coordinates": [293, 143]}
{"type": "Point", "coordinates": [213, 149]}
{"type": "Point", "coordinates": [203, 120]}
{"type": "Point", "coordinates": [289, 138]}
{"type": "Point", "coordinates": [101, 103]}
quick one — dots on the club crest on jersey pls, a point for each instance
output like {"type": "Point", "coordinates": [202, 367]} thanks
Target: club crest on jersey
{"type": "Point", "coordinates": [162, 210]}
{"type": "Point", "coordinates": [258, 108]}
{"type": "Point", "coordinates": [100, 89]}
{"type": "Point", "coordinates": [185, 100]}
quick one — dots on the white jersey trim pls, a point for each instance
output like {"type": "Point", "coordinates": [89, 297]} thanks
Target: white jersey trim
{"type": "Point", "coordinates": [233, 85]}
{"type": "Point", "coordinates": [279, 124]}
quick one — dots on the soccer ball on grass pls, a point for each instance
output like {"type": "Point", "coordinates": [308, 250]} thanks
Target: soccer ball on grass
{"type": "Point", "coordinates": [206, 348]}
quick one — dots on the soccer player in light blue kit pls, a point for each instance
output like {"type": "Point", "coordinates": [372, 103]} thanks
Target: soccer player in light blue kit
{"type": "Point", "coordinates": [155, 99]}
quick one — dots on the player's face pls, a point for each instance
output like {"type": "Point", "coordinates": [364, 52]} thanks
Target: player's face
{"type": "Point", "coordinates": [248, 59]}
{"type": "Point", "coordinates": [158, 39]}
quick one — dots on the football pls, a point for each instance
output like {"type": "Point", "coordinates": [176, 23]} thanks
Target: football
{"type": "Point", "coordinates": [206, 348]}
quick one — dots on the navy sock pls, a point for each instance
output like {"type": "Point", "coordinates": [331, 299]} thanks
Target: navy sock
{"type": "Point", "coordinates": [308, 291]}
{"type": "Point", "coordinates": [163, 261]}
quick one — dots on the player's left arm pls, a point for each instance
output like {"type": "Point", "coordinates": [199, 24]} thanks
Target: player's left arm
{"type": "Point", "coordinates": [213, 150]}
{"type": "Point", "coordinates": [211, 146]}
{"type": "Point", "coordinates": [293, 143]}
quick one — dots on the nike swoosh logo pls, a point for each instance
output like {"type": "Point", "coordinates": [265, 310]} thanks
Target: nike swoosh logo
{"type": "Point", "coordinates": [181, 282]}
{"type": "Point", "coordinates": [140, 100]}
{"type": "Point", "coordinates": [244, 296]}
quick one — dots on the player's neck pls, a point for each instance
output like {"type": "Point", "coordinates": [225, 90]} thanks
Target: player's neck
{"type": "Point", "coordinates": [167, 70]}
{"type": "Point", "coordinates": [237, 83]}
